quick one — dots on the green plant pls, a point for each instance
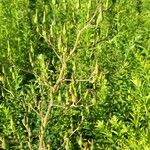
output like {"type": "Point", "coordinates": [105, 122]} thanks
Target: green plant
{"type": "Point", "coordinates": [74, 74]}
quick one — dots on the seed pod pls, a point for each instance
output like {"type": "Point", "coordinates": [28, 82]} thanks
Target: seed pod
{"type": "Point", "coordinates": [73, 98]}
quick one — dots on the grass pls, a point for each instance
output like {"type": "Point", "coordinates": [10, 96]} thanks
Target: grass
{"type": "Point", "coordinates": [74, 75]}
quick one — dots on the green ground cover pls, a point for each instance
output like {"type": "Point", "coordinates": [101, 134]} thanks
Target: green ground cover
{"type": "Point", "coordinates": [75, 74]}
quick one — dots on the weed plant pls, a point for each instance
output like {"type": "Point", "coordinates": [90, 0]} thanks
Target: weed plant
{"type": "Point", "coordinates": [75, 74]}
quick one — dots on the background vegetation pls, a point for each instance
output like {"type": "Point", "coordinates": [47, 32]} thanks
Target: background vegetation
{"type": "Point", "coordinates": [75, 74]}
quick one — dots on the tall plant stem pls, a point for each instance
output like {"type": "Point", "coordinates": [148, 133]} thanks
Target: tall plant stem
{"type": "Point", "coordinates": [44, 121]}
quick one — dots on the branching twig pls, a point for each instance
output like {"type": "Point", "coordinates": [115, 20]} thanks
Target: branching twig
{"type": "Point", "coordinates": [54, 49]}
{"type": "Point", "coordinates": [7, 90]}
{"type": "Point", "coordinates": [60, 79]}
{"type": "Point", "coordinates": [35, 110]}
{"type": "Point", "coordinates": [25, 123]}
{"type": "Point", "coordinates": [88, 24]}
{"type": "Point", "coordinates": [75, 130]}
{"type": "Point", "coordinates": [46, 117]}
{"type": "Point", "coordinates": [78, 80]}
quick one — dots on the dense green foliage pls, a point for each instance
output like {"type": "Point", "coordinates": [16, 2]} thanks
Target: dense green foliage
{"type": "Point", "coordinates": [75, 74]}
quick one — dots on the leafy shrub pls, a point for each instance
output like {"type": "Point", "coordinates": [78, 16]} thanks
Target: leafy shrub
{"type": "Point", "coordinates": [74, 74]}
